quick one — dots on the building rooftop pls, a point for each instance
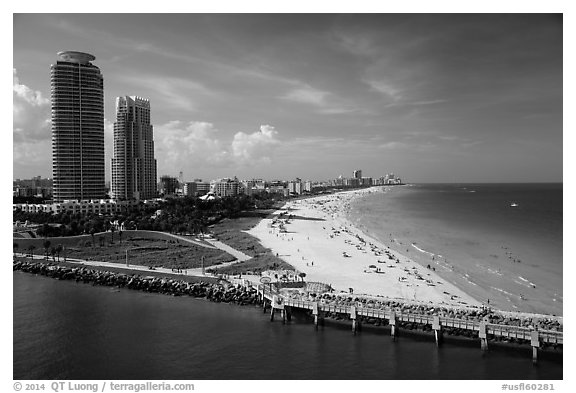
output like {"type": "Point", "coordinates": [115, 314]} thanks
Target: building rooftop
{"type": "Point", "coordinates": [76, 57]}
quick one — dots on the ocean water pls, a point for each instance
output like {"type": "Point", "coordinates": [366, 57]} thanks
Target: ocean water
{"type": "Point", "coordinates": [509, 256]}
{"type": "Point", "coordinates": [69, 330]}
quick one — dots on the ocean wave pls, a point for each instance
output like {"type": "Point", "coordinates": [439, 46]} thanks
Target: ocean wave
{"type": "Point", "coordinates": [423, 251]}
{"type": "Point", "coordinates": [467, 277]}
{"type": "Point", "coordinates": [504, 292]}
{"type": "Point", "coordinates": [530, 283]}
{"type": "Point", "coordinates": [494, 272]}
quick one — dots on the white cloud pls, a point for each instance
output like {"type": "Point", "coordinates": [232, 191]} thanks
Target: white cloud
{"type": "Point", "coordinates": [31, 131]}
{"type": "Point", "coordinates": [307, 95]}
{"type": "Point", "coordinates": [33, 97]}
{"type": "Point", "coordinates": [355, 43]}
{"type": "Point", "coordinates": [323, 101]}
{"type": "Point", "coordinates": [385, 88]}
{"type": "Point", "coordinates": [255, 148]}
{"type": "Point", "coordinates": [196, 147]}
{"type": "Point", "coordinates": [188, 146]}
{"type": "Point", "coordinates": [31, 113]}
{"type": "Point", "coordinates": [392, 145]}
{"type": "Point", "coordinates": [175, 92]}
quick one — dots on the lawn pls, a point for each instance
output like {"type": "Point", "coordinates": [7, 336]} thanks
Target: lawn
{"type": "Point", "coordinates": [231, 232]}
{"type": "Point", "coordinates": [156, 253]}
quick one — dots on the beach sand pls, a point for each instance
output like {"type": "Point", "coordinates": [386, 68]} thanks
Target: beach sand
{"type": "Point", "coordinates": [319, 241]}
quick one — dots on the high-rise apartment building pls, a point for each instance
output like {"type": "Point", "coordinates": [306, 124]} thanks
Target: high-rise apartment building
{"type": "Point", "coordinates": [77, 96]}
{"type": "Point", "coordinates": [133, 164]}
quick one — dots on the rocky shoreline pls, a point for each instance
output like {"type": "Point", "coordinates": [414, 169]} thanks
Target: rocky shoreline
{"type": "Point", "coordinates": [217, 292]}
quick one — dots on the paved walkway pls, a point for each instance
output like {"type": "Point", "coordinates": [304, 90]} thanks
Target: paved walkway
{"type": "Point", "coordinates": [188, 272]}
{"type": "Point", "coordinates": [201, 243]}
{"type": "Point", "coordinates": [239, 255]}
{"type": "Point", "coordinates": [214, 244]}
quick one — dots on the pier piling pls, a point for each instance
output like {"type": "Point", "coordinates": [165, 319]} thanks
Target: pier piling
{"type": "Point", "coordinates": [437, 330]}
{"type": "Point", "coordinates": [393, 328]}
{"type": "Point", "coordinates": [353, 316]}
{"type": "Point", "coordinates": [535, 342]}
{"type": "Point", "coordinates": [483, 336]}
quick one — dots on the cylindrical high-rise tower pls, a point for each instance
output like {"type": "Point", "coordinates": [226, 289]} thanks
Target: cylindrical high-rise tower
{"type": "Point", "coordinates": [77, 95]}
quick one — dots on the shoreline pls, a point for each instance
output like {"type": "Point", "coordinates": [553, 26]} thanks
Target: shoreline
{"type": "Point", "coordinates": [470, 255]}
{"type": "Point", "coordinates": [317, 237]}
{"type": "Point", "coordinates": [239, 294]}
{"type": "Point", "coordinates": [333, 250]}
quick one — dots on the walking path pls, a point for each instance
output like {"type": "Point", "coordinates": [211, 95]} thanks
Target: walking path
{"type": "Point", "coordinates": [240, 256]}
{"type": "Point", "coordinates": [193, 241]}
{"type": "Point", "coordinates": [114, 265]}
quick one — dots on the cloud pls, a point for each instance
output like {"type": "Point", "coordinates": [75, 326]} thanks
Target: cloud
{"type": "Point", "coordinates": [195, 146]}
{"type": "Point", "coordinates": [392, 145]}
{"type": "Point", "coordinates": [385, 88]}
{"type": "Point", "coordinates": [175, 92]}
{"type": "Point", "coordinates": [255, 148]}
{"type": "Point", "coordinates": [31, 131]}
{"type": "Point", "coordinates": [31, 113]}
{"type": "Point", "coordinates": [323, 101]}
{"type": "Point", "coordinates": [187, 146]}
{"type": "Point", "coordinates": [355, 43]}
{"type": "Point", "coordinates": [307, 95]}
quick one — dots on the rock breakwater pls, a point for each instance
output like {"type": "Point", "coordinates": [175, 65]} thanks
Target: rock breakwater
{"type": "Point", "coordinates": [217, 292]}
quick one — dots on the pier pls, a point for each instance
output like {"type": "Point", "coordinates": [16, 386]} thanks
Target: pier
{"type": "Point", "coordinates": [285, 305]}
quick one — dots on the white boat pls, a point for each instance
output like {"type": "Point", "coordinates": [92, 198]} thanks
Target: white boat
{"type": "Point", "coordinates": [513, 204]}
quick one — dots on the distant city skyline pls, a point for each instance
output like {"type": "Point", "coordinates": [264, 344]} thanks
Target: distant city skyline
{"type": "Point", "coordinates": [433, 98]}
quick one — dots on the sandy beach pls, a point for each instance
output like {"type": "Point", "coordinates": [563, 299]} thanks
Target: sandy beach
{"type": "Point", "coordinates": [314, 236]}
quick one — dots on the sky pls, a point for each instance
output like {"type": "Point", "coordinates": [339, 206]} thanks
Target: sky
{"type": "Point", "coordinates": [429, 97]}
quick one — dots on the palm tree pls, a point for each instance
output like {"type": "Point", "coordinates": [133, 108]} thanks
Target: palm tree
{"type": "Point", "coordinates": [58, 251]}
{"type": "Point", "coordinates": [302, 275]}
{"type": "Point", "coordinates": [92, 232]}
{"type": "Point", "coordinates": [46, 247]}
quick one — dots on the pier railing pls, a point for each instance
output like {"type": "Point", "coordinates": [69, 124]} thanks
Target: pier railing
{"type": "Point", "coordinates": [392, 317]}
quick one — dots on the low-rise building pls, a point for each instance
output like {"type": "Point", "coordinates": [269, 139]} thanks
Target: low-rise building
{"type": "Point", "coordinates": [225, 187]}
{"type": "Point", "coordinates": [102, 206]}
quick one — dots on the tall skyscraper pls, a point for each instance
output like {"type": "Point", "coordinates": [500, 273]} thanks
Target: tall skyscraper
{"type": "Point", "coordinates": [77, 95]}
{"type": "Point", "coordinates": [133, 165]}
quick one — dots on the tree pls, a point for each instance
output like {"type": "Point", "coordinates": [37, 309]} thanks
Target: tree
{"type": "Point", "coordinates": [43, 230]}
{"type": "Point", "coordinates": [46, 247]}
{"type": "Point", "coordinates": [120, 235]}
{"type": "Point", "coordinates": [92, 232]}
{"type": "Point", "coordinates": [15, 247]}
{"type": "Point", "coordinates": [53, 253]}
{"type": "Point", "coordinates": [31, 248]}
{"type": "Point", "coordinates": [73, 228]}
{"type": "Point", "coordinates": [302, 275]}
{"type": "Point", "coordinates": [112, 229]}
{"type": "Point", "coordinates": [59, 249]}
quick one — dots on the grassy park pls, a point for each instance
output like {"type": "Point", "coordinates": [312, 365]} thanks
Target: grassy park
{"type": "Point", "coordinates": [150, 252]}
{"type": "Point", "coordinates": [231, 232]}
